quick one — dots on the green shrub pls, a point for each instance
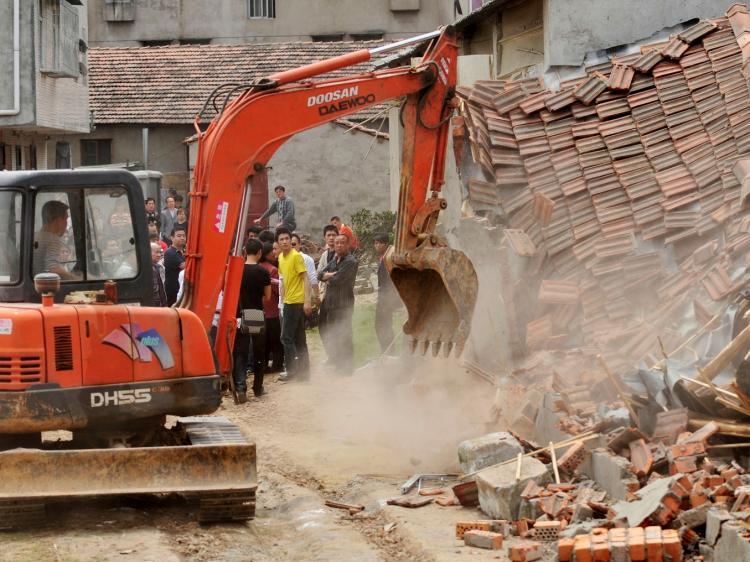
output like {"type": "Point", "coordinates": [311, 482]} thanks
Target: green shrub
{"type": "Point", "coordinates": [367, 224]}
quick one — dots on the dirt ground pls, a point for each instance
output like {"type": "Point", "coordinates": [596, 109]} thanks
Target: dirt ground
{"type": "Point", "coordinates": [355, 439]}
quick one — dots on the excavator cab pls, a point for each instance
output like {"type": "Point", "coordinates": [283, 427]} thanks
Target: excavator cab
{"type": "Point", "coordinates": [86, 225]}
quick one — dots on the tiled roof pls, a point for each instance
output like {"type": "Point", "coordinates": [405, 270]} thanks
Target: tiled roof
{"type": "Point", "coordinates": [169, 84]}
{"type": "Point", "coordinates": [604, 173]}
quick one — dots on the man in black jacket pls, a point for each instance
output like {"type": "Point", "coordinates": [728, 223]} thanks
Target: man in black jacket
{"type": "Point", "coordinates": [174, 262]}
{"type": "Point", "coordinates": [335, 317]}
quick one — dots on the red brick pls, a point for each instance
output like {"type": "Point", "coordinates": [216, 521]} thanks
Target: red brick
{"type": "Point", "coordinates": [565, 550]}
{"type": "Point", "coordinates": [463, 526]}
{"type": "Point", "coordinates": [637, 547]}
{"type": "Point", "coordinates": [583, 549]}
{"type": "Point", "coordinates": [483, 539]}
{"type": "Point", "coordinates": [601, 551]}
{"type": "Point", "coordinates": [687, 449]}
{"type": "Point", "coordinates": [526, 552]}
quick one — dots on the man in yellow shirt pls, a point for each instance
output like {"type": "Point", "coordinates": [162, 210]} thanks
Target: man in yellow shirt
{"type": "Point", "coordinates": [296, 293]}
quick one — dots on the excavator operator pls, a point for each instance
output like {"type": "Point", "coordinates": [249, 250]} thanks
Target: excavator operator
{"type": "Point", "coordinates": [48, 244]}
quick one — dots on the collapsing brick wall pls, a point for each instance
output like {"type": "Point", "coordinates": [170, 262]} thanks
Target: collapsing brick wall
{"type": "Point", "coordinates": [623, 181]}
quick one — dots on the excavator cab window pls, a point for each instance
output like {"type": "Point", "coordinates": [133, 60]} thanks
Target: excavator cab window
{"type": "Point", "coordinates": [84, 234]}
{"type": "Point", "coordinates": [11, 207]}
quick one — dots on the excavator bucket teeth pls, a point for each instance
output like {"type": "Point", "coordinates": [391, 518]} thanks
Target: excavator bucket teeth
{"type": "Point", "coordinates": [439, 288]}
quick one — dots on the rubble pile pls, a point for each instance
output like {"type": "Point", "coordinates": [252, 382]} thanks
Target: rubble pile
{"type": "Point", "coordinates": [619, 193]}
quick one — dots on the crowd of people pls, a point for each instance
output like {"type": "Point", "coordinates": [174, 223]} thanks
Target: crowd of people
{"type": "Point", "coordinates": [281, 287]}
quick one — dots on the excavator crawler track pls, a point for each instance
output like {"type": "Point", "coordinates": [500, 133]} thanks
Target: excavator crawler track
{"type": "Point", "coordinates": [227, 506]}
{"type": "Point", "coordinates": [214, 467]}
{"type": "Point", "coordinates": [21, 513]}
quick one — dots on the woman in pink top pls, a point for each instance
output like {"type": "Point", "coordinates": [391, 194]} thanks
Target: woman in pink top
{"type": "Point", "coordinates": [274, 349]}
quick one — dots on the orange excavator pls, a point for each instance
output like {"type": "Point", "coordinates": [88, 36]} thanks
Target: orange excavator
{"type": "Point", "coordinates": [83, 354]}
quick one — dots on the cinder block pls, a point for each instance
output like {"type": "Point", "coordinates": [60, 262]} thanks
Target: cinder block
{"type": "Point", "coordinates": [547, 531]}
{"type": "Point", "coordinates": [463, 526]}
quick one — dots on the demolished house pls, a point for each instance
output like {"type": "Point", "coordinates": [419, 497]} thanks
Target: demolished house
{"type": "Point", "coordinates": [621, 195]}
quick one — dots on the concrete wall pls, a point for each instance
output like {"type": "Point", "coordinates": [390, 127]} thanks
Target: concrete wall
{"type": "Point", "coordinates": [513, 36]}
{"type": "Point", "coordinates": [166, 151]}
{"type": "Point", "coordinates": [63, 103]}
{"type": "Point", "coordinates": [574, 27]}
{"type": "Point", "coordinates": [47, 103]}
{"type": "Point", "coordinates": [226, 21]}
{"type": "Point", "coordinates": [28, 65]}
{"type": "Point", "coordinates": [328, 171]}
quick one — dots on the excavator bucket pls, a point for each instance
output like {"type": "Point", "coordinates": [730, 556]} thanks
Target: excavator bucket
{"type": "Point", "coordinates": [439, 288]}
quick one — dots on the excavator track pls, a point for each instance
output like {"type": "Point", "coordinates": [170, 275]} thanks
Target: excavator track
{"type": "Point", "coordinates": [222, 505]}
{"type": "Point", "coordinates": [21, 513]}
{"type": "Point", "coordinates": [215, 467]}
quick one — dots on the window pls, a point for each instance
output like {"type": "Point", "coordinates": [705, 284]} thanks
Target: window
{"type": "Point", "coordinates": [96, 152]}
{"type": "Point", "coordinates": [328, 38]}
{"type": "Point", "coordinates": [261, 8]}
{"type": "Point", "coordinates": [10, 236]}
{"type": "Point", "coordinates": [59, 39]}
{"type": "Point", "coordinates": [18, 157]}
{"type": "Point", "coordinates": [374, 36]}
{"type": "Point", "coordinates": [157, 42]}
{"type": "Point", "coordinates": [84, 235]}
{"type": "Point", "coordinates": [119, 10]}
{"type": "Point", "coordinates": [31, 157]}
{"type": "Point", "coordinates": [62, 155]}
{"type": "Point", "coordinates": [3, 165]}
{"type": "Point", "coordinates": [109, 233]}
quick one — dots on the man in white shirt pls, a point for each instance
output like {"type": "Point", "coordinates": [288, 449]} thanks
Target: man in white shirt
{"type": "Point", "coordinates": [48, 244]}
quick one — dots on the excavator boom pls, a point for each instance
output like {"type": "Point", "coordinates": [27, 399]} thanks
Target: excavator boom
{"type": "Point", "coordinates": [438, 284]}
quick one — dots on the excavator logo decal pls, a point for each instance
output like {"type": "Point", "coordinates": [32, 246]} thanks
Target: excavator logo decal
{"type": "Point", "coordinates": [349, 98]}
{"type": "Point", "coordinates": [141, 345]}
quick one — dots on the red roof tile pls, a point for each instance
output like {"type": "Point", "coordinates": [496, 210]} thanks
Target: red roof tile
{"type": "Point", "coordinates": [170, 84]}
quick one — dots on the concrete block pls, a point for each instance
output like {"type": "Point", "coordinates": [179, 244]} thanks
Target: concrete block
{"type": "Point", "coordinates": [611, 472]}
{"type": "Point", "coordinates": [494, 448]}
{"type": "Point", "coordinates": [500, 494]}
{"type": "Point", "coordinates": [547, 422]}
{"type": "Point", "coordinates": [715, 518]}
{"type": "Point", "coordinates": [731, 544]}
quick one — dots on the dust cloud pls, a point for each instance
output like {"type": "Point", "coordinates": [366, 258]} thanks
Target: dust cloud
{"type": "Point", "coordinates": [408, 414]}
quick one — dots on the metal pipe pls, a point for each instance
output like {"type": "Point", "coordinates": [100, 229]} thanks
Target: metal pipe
{"type": "Point", "coordinates": [144, 133]}
{"type": "Point", "coordinates": [342, 61]}
{"type": "Point", "coordinates": [16, 61]}
{"type": "Point", "coordinates": [404, 42]}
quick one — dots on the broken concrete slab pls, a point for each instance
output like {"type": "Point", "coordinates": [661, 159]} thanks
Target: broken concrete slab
{"type": "Point", "coordinates": [500, 493]}
{"type": "Point", "coordinates": [732, 545]}
{"type": "Point", "coordinates": [487, 450]}
{"type": "Point", "coordinates": [650, 497]}
{"type": "Point", "coordinates": [611, 472]}
{"type": "Point", "coordinates": [715, 518]}
{"type": "Point", "coordinates": [546, 427]}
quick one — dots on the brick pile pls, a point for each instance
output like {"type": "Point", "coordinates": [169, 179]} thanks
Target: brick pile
{"type": "Point", "coordinates": [619, 193]}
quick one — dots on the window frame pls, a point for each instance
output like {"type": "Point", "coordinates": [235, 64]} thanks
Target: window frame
{"type": "Point", "coordinates": [21, 242]}
{"type": "Point", "coordinates": [266, 9]}
{"type": "Point", "coordinates": [82, 237]}
{"type": "Point", "coordinates": [97, 143]}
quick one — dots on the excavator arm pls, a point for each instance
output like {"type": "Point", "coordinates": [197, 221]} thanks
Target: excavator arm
{"type": "Point", "coordinates": [237, 145]}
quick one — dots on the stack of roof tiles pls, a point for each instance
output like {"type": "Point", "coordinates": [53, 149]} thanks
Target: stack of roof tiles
{"type": "Point", "coordinates": [603, 174]}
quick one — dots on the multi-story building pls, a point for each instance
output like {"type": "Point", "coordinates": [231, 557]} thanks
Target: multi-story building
{"type": "Point", "coordinates": [44, 85]}
{"type": "Point", "coordinates": [122, 23]}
